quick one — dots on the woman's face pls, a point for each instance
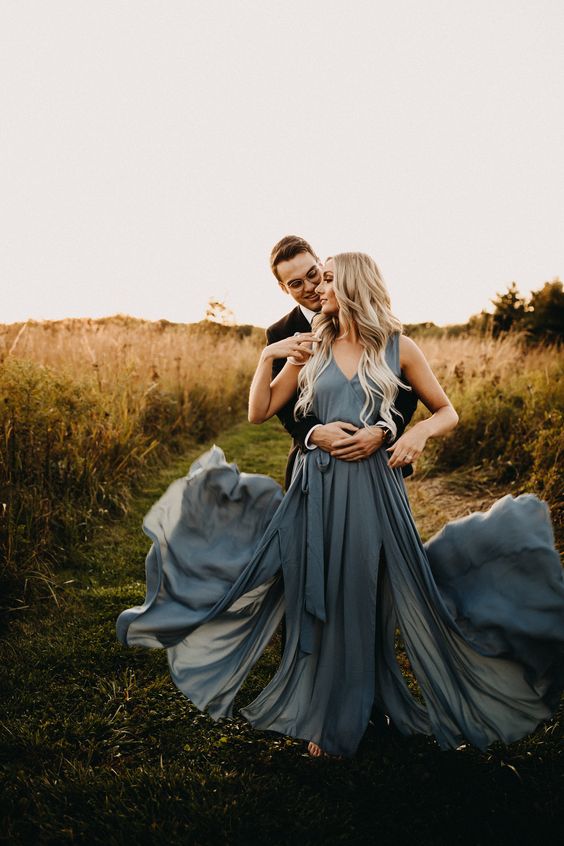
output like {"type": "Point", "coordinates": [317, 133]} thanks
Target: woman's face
{"type": "Point", "coordinates": [329, 304]}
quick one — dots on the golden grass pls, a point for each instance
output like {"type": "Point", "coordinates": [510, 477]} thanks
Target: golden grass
{"type": "Point", "coordinates": [510, 398]}
{"type": "Point", "coordinates": [466, 358]}
{"type": "Point", "coordinates": [174, 355]}
{"type": "Point", "coordinates": [86, 406]}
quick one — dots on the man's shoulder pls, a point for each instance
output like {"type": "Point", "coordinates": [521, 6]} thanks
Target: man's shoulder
{"type": "Point", "coordinates": [285, 326]}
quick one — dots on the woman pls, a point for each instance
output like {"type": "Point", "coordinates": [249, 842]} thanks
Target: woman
{"type": "Point", "coordinates": [480, 609]}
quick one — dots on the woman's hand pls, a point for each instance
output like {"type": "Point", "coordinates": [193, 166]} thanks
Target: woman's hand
{"type": "Point", "coordinates": [297, 347]}
{"type": "Point", "coordinates": [443, 418]}
{"type": "Point", "coordinates": [409, 447]}
{"type": "Point", "coordinates": [266, 397]}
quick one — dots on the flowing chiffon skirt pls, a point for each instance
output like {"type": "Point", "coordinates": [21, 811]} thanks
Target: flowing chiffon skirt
{"type": "Point", "coordinates": [480, 607]}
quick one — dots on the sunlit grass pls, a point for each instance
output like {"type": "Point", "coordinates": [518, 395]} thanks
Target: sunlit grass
{"type": "Point", "coordinates": [88, 408]}
{"type": "Point", "coordinates": [510, 399]}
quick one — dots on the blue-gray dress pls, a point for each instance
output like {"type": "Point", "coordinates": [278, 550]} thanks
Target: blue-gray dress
{"type": "Point", "coordinates": [480, 607]}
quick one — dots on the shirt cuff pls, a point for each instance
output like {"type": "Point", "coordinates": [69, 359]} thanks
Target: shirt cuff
{"type": "Point", "coordinates": [306, 439]}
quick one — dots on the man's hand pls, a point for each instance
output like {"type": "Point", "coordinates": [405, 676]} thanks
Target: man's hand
{"type": "Point", "coordinates": [326, 436]}
{"type": "Point", "coordinates": [346, 441]}
{"type": "Point", "coordinates": [361, 444]}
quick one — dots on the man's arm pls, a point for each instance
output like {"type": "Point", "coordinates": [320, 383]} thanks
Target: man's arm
{"type": "Point", "coordinates": [405, 403]}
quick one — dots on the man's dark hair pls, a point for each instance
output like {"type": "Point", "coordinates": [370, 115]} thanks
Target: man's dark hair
{"type": "Point", "coordinates": [287, 248]}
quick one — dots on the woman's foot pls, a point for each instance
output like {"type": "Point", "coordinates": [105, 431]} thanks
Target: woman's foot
{"type": "Point", "coordinates": [317, 752]}
{"type": "Point", "coordinates": [314, 750]}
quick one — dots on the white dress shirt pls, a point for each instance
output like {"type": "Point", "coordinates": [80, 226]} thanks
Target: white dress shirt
{"type": "Point", "coordinates": [308, 313]}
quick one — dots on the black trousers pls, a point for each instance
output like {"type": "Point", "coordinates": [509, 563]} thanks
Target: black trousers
{"type": "Point", "coordinates": [292, 455]}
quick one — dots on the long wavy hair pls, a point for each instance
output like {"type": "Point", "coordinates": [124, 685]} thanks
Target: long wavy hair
{"type": "Point", "coordinates": [363, 301]}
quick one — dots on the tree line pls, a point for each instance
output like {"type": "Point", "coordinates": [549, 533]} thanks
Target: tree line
{"type": "Point", "coordinates": [539, 317]}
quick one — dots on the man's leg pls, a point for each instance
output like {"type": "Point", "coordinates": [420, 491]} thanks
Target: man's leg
{"type": "Point", "coordinates": [292, 455]}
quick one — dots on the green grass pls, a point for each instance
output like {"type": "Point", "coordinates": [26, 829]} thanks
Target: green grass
{"type": "Point", "coordinates": [99, 747]}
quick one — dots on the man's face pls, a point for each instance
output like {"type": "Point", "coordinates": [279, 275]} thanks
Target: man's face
{"type": "Point", "coordinates": [299, 277]}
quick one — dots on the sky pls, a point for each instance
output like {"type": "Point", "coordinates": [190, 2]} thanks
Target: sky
{"type": "Point", "coordinates": [153, 151]}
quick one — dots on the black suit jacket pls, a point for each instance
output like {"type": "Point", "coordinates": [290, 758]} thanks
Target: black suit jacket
{"type": "Point", "coordinates": [295, 321]}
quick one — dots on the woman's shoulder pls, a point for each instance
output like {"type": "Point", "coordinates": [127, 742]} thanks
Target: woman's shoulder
{"type": "Point", "coordinates": [409, 352]}
{"type": "Point", "coordinates": [406, 343]}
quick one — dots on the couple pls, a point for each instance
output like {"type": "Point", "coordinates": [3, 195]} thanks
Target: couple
{"type": "Point", "coordinates": [298, 271]}
{"type": "Point", "coordinates": [480, 607]}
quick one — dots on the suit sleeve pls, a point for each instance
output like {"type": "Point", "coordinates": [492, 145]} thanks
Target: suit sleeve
{"type": "Point", "coordinates": [298, 429]}
{"type": "Point", "coordinates": [406, 403]}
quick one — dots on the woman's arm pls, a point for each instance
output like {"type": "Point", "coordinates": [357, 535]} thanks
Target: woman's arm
{"type": "Point", "coordinates": [443, 416]}
{"type": "Point", "coordinates": [266, 397]}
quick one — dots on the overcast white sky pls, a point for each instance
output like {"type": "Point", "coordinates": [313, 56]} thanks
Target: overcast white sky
{"type": "Point", "coordinates": [152, 151]}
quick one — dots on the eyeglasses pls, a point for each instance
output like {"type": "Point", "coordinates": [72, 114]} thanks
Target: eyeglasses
{"type": "Point", "coordinates": [313, 275]}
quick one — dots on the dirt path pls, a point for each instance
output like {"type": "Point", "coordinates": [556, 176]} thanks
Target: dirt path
{"type": "Point", "coordinates": [436, 500]}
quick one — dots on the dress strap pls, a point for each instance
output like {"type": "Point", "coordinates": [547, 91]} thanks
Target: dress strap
{"type": "Point", "coordinates": [392, 353]}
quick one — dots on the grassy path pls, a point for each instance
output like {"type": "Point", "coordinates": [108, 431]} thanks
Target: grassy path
{"type": "Point", "coordinates": [99, 747]}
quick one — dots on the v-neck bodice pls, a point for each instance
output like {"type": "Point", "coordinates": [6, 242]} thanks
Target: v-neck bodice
{"type": "Point", "coordinates": [339, 398]}
{"type": "Point", "coordinates": [344, 375]}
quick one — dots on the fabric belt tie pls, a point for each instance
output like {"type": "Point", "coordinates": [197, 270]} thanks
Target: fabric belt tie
{"type": "Point", "coordinates": [316, 463]}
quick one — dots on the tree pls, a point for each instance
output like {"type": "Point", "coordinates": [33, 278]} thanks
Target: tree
{"type": "Point", "coordinates": [510, 309]}
{"type": "Point", "coordinates": [218, 312]}
{"type": "Point", "coordinates": [545, 313]}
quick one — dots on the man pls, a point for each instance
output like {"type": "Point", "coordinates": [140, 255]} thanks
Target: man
{"type": "Point", "coordinates": [298, 271]}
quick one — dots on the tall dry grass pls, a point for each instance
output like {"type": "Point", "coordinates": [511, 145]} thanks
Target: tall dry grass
{"type": "Point", "coordinates": [510, 398]}
{"type": "Point", "coordinates": [86, 407]}
{"type": "Point", "coordinates": [145, 356]}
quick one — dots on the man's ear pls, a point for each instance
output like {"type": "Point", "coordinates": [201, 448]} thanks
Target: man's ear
{"type": "Point", "coordinates": [282, 286]}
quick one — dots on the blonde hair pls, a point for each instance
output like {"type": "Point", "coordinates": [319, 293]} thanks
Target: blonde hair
{"type": "Point", "coordinates": [363, 301]}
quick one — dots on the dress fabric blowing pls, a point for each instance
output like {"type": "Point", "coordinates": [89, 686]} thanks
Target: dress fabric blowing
{"type": "Point", "coordinates": [480, 606]}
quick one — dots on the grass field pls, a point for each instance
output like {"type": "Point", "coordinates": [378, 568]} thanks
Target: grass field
{"type": "Point", "coordinates": [98, 746]}
{"type": "Point", "coordinates": [88, 407]}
